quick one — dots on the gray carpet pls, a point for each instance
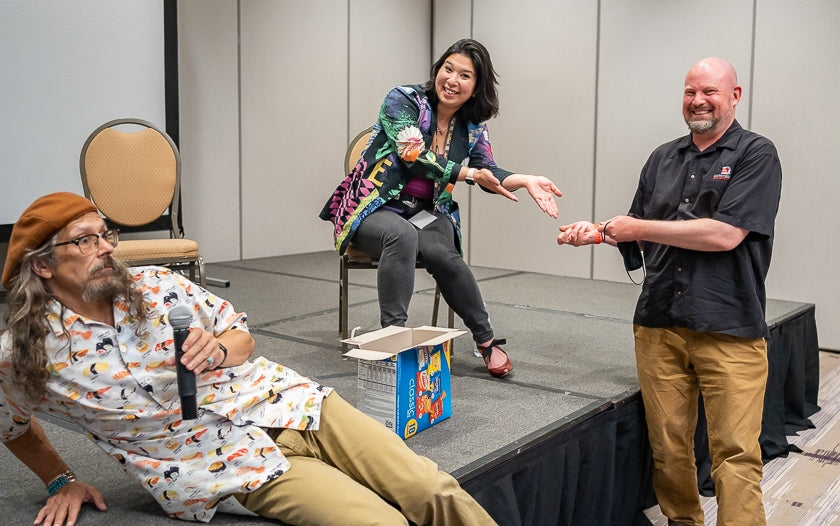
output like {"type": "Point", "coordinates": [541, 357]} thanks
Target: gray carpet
{"type": "Point", "coordinates": [570, 341]}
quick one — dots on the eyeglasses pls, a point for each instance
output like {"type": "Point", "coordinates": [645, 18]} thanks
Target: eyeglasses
{"type": "Point", "coordinates": [90, 243]}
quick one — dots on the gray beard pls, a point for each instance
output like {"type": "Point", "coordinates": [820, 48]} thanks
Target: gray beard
{"type": "Point", "coordinates": [106, 291]}
{"type": "Point", "coordinates": [701, 126]}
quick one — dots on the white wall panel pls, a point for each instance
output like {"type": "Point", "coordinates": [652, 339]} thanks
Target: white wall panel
{"type": "Point", "coordinates": [646, 48]}
{"type": "Point", "coordinates": [385, 52]}
{"type": "Point", "coordinates": [452, 20]}
{"type": "Point", "coordinates": [209, 125]}
{"type": "Point", "coordinates": [545, 54]}
{"type": "Point", "coordinates": [795, 103]}
{"type": "Point", "coordinates": [65, 69]}
{"type": "Point", "coordinates": [294, 124]}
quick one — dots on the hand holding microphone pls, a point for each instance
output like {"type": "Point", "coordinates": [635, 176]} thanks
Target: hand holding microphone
{"type": "Point", "coordinates": [180, 318]}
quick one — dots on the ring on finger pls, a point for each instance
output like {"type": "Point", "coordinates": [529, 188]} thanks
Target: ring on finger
{"type": "Point", "coordinates": [210, 360]}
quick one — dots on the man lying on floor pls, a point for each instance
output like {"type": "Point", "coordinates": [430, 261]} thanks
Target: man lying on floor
{"type": "Point", "coordinates": [89, 339]}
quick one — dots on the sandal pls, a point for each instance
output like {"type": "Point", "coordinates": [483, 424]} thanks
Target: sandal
{"type": "Point", "coordinates": [487, 352]}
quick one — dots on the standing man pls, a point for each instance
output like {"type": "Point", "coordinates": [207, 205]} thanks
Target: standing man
{"type": "Point", "coordinates": [701, 224]}
{"type": "Point", "coordinates": [90, 339]}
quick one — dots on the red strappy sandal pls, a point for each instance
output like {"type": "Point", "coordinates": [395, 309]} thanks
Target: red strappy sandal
{"type": "Point", "coordinates": [486, 352]}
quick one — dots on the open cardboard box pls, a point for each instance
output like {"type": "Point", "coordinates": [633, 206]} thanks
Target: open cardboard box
{"type": "Point", "coordinates": [404, 376]}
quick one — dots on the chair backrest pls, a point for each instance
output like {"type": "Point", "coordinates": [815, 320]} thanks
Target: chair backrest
{"type": "Point", "coordinates": [131, 170]}
{"type": "Point", "coordinates": [355, 149]}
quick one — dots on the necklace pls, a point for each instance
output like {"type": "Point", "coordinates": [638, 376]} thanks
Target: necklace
{"type": "Point", "coordinates": [437, 147]}
{"type": "Point", "coordinates": [447, 127]}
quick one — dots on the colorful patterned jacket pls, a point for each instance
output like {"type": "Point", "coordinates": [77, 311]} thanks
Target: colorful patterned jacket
{"type": "Point", "coordinates": [399, 149]}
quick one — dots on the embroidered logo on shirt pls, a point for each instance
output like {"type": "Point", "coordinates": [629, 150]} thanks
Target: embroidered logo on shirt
{"type": "Point", "coordinates": [724, 175]}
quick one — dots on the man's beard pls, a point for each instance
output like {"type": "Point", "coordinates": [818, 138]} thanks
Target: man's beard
{"type": "Point", "coordinates": [116, 285]}
{"type": "Point", "coordinates": [701, 126]}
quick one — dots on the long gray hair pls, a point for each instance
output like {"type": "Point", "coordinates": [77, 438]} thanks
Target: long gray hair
{"type": "Point", "coordinates": [27, 325]}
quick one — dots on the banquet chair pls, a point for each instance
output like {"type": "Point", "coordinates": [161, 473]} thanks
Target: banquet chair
{"type": "Point", "coordinates": [354, 258]}
{"type": "Point", "coordinates": [131, 171]}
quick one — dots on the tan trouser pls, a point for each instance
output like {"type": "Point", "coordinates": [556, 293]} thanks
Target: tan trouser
{"type": "Point", "coordinates": [731, 373]}
{"type": "Point", "coordinates": [354, 471]}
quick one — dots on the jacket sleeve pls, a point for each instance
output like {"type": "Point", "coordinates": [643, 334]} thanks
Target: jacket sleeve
{"type": "Point", "coordinates": [481, 152]}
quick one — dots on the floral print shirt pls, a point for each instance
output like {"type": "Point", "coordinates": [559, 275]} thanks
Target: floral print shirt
{"type": "Point", "coordinates": [114, 384]}
{"type": "Point", "coordinates": [399, 149]}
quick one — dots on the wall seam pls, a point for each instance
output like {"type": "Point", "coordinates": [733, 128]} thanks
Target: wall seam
{"type": "Point", "coordinates": [752, 65]}
{"type": "Point", "coordinates": [432, 31]}
{"type": "Point", "coordinates": [239, 125]}
{"type": "Point", "coordinates": [470, 191]}
{"type": "Point", "coordinates": [347, 135]}
{"type": "Point", "coordinates": [595, 129]}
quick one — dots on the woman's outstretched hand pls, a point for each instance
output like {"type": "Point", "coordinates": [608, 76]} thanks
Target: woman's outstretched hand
{"type": "Point", "coordinates": [543, 190]}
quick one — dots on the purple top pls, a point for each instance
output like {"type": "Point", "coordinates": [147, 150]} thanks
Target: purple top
{"type": "Point", "coordinates": [420, 187]}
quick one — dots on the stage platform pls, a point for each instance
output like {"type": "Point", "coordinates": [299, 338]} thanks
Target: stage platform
{"type": "Point", "coordinates": [561, 441]}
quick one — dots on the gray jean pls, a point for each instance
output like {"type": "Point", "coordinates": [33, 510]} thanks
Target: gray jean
{"type": "Point", "coordinates": [397, 243]}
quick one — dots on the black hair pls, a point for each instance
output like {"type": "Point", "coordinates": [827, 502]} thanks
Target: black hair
{"type": "Point", "coordinates": [485, 102]}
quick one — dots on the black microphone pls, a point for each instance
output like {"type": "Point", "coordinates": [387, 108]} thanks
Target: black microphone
{"type": "Point", "coordinates": [180, 318]}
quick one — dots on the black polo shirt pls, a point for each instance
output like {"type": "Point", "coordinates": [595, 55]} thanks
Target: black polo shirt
{"type": "Point", "coordinates": [737, 181]}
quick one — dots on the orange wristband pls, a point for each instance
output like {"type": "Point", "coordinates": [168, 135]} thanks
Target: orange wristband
{"type": "Point", "coordinates": [598, 238]}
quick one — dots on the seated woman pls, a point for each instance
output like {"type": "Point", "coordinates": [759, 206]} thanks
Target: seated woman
{"type": "Point", "coordinates": [427, 138]}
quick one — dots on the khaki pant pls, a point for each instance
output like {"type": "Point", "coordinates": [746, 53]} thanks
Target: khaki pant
{"type": "Point", "coordinates": [354, 471]}
{"type": "Point", "coordinates": [731, 373]}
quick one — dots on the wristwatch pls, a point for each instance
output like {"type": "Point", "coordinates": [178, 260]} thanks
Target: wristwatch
{"type": "Point", "coordinates": [469, 178]}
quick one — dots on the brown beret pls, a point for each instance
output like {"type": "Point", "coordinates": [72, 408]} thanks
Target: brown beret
{"type": "Point", "coordinates": [46, 216]}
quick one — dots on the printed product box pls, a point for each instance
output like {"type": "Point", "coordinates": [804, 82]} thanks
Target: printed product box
{"type": "Point", "coordinates": [404, 376]}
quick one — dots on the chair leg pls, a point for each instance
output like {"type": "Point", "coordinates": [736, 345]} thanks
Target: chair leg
{"type": "Point", "coordinates": [343, 300]}
{"type": "Point", "coordinates": [202, 275]}
{"type": "Point", "coordinates": [436, 306]}
{"type": "Point", "coordinates": [436, 310]}
{"type": "Point", "coordinates": [451, 325]}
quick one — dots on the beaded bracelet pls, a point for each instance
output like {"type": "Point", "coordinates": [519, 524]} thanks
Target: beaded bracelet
{"type": "Point", "coordinates": [60, 481]}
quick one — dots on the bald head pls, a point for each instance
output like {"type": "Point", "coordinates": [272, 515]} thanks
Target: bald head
{"type": "Point", "coordinates": [717, 68]}
{"type": "Point", "coordinates": [709, 99]}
